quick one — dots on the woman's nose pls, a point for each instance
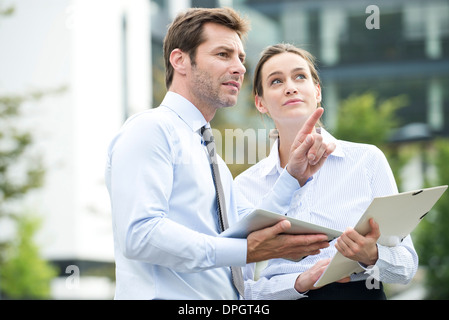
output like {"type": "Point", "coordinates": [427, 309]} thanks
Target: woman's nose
{"type": "Point", "coordinates": [291, 90]}
{"type": "Point", "coordinates": [290, 87]}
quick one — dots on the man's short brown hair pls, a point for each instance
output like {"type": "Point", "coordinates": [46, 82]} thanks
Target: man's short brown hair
{"type": "Point", "coordinates": [186, 32]}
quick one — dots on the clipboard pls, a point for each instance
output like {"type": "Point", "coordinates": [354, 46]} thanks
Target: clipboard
{"type": "Point", "coordinates": [260, 219]}
{"type": "Point", "coordinates": [397, 216]}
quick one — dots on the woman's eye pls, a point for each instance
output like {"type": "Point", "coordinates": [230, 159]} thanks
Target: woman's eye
{"type": "Point", "coordinates": [276, 81]}
{"type": "Point", "coordinates": [300, 76]}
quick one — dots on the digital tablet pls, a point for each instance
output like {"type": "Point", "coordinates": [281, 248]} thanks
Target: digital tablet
{"type": "Point", "coordinates": [260, 219]}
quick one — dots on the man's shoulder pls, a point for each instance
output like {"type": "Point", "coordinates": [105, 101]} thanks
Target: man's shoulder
{"type": "Point", "coordinates": [156, 118]}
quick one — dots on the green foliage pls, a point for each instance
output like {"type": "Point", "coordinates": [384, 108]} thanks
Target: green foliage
{"type": "Point", "coordinates": [14, 146]}
{"type": "Point", "coordinates": [6, 11]}
{"type": "Point", "coordinates": [363, 119]}
{"type": "Point", "coordinates": [24, 275]}
{"type": "Point", "coordinates": [432, 239]}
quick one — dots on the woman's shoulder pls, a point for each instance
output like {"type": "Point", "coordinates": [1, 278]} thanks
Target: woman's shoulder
{"type": "Point", "coordinates": [255, 172]}
{"type": "Point", "coordinates": [358, 147]}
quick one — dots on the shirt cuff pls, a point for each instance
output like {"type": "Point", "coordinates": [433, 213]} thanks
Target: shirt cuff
{"type": "Point", "coordinates": [286, 288]}
{"type": "Point", "coordinates": [230, 252]}
{"type": "Point", "coordinates": [282, 193]}
{"type": "Point", "coordinates": [383, 255]}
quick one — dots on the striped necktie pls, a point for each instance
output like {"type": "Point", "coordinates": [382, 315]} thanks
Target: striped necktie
{"type": "Point", "coordinates": [237, 276]}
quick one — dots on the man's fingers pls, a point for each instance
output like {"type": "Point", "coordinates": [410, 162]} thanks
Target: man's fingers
{"type": "Point", "coordinates": [274, 242]}
{"type": "Point", "coordinates": [314, 241]}
{"type": "Point", "coordinates": [280, 227]}
{"type": "Point", "coordinates": [273, 231]}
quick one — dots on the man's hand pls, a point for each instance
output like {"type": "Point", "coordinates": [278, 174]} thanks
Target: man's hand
{"type": "Point", "coordinates": [308, 151]}
{"type": "Point", "coordinates": [307, 279]}
{"type": "Point", "coordinates": [272, 242]}
{"type": "Point", "coordinates": [360, 248]}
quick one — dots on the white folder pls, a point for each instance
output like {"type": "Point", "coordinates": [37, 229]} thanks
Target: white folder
{"type": "Point", "coordinates": [397, 216]}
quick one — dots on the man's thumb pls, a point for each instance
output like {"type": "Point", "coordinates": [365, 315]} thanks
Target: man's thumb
{"type": "Point", "coordinates": [281, 227]}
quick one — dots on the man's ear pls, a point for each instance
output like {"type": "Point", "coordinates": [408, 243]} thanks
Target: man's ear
{"type": "Point", "coordinates": [179, 60]}
{"type": "Point", "coordinates": [260, 104]}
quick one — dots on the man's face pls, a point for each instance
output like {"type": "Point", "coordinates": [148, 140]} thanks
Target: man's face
{"type": "Point", "coordinates": [216, 77]}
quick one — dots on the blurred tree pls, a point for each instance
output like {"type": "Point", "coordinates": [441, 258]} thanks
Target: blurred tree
{"type": "Point", "coordinates": [22, 272]}
{"type": "Point", "coordinates": [14, 145]}
{"type": "Point", "coordinates": [6, 11]}
{"type": "Point", "coordinates": [364, 119]}
{"type": "Point", "coordinates": [432, 240]}
{"type": "Point", "coordinates": [361, 118]}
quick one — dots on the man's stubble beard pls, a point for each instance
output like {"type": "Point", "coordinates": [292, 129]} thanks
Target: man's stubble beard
{"type": "Point", "coordinates": [205, 89]}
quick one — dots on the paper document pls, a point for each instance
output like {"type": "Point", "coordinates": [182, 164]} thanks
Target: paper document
{"type": "Point", "coordinates": [397, 216]}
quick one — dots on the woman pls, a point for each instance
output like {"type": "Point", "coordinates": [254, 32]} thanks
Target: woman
{"type": "Point", "coordinates": [287, 88]}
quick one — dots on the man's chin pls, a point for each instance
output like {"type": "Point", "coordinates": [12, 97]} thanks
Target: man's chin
{"type": "Point", "coordinates": [229, 102]}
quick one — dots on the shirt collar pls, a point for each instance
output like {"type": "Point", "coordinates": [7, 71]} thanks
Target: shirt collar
{"type": "Point", "coordinates": [327, 137]}
{"type": "Point", "coordinates": [185, 110]}
{"type": "Point", "coordinates": [272, 162]}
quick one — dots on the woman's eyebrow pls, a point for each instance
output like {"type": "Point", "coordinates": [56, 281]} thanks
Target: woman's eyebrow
{"type": "Point", "coordinates": [298, 69]}
{"type": "Point", "coordinates": [275, 73]}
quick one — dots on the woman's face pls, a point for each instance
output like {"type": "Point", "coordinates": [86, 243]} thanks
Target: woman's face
{"type": "Point", "coordinates": [289, 92]}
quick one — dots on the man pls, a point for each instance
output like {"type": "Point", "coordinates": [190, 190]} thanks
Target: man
{"type": "Point", "coordinates": [166, 219]}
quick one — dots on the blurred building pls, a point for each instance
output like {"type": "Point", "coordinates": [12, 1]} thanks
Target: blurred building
{"type": "Point", "coordinates": [407, 54]}
{"type": "Point", "coordinates": [100, 53]}
{"type": "Point", "coordinates": [390, 48]}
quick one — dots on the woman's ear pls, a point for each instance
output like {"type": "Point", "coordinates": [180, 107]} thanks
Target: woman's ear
{"type": "Point", "coordinates": [318, 93]}
{"type": "Point", "coordinates": [179, 60]}
{"type": "Point", "coordinates": [260, 104]}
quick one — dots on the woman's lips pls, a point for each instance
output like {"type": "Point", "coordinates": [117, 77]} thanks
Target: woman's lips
{"type": "Point", "coordinates": [292, 101]}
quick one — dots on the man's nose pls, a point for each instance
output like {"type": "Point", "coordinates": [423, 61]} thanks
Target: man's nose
{"type": "Point", "coordinates": [238, 67]}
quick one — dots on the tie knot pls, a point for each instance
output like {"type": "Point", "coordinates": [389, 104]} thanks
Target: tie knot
{"type": "Point", "coordinates": [209, 142]}
{"type": "Point", "coordinates": [207, 135]}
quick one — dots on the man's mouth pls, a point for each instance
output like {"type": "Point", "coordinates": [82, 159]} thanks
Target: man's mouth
{"type": "Point", "coordinates": [233, 84]}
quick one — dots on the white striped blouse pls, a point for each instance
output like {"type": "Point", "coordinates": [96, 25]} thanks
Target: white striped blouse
{"type": "Point", "coordinates": [336, 196]}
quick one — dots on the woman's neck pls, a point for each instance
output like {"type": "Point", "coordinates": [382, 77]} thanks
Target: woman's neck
{"type": "Point", "coordinates": [287, 135]}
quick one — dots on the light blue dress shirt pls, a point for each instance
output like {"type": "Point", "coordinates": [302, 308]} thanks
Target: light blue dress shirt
{"type": "Point", "coordinates": [336, 196]}
{"type": "Point", "coordinates": [164, 208]}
